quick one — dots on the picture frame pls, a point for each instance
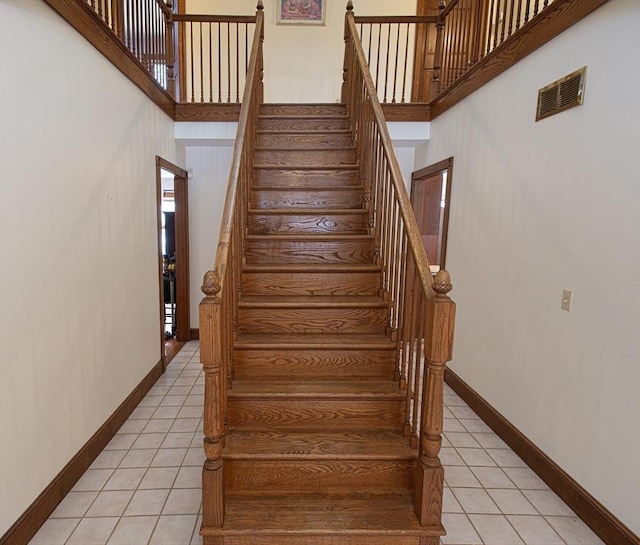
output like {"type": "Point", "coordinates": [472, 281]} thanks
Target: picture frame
{"type": "Point", "coordinates": [301, 12]}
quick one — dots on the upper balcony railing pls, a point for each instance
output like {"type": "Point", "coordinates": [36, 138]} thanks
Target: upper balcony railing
{"type": "Point", "coordinates": [420, 65]}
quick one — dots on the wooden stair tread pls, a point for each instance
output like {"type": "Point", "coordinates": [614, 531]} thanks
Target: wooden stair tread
{"type": "Point", "coordinates": [304, 131]}
{"type": "Point", "coordinates": [315, 237]}
{"type": "Point", "coordinates": [304, 116]}
{"type": "Point", "coordinates": [354, 389]}
{"type": "Point", "coordinates": [309, 301]}
{"type": "Point", "coordinates": [376, 444]}
{"type": "Point", "coordinates": [327, 167]}
{"type": "Point", "coordinates": [307, 211]}
{"type": "Point", "coordinates": [311, 267]}
{"type": "Point", "coordinates": [319, 514]}
{"type": "Point", "coordinates": [317, 341]}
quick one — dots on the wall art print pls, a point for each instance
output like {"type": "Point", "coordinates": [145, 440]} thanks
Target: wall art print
{"type": "Point", "coordinates": [301, 12]}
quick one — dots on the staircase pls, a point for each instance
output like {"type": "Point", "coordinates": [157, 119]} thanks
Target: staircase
{"type": "Point", "coordinates": [314, 448]}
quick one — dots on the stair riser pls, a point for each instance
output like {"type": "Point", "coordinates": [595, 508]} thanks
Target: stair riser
{"type": "Point", "coordinates": [282, 251]}
{"type": "Point", "coordinates": [355, 224]}
{"type": "Point", "coordinates": [318, 476]}
{"type": "Point", "coordinates": [303, 123]}
{"type": "Point", "coordinates": [301, 364]}
{"type": "Point", "coordinates": [312, 320]}
{"type": "Point", "coordinates": [308, 198]}
{"type": "Point", "coordinates": [293, 141]}
{"type": "Point", "coordinates": [303, 109]}
{"type": "Point", "coordinates": [305, 158]}
{"type": "Point", "coordinates": [299, 283]}
{"type": "Point", "coordinates": [304, 178]}
{"type": "Point", "coordinates": [306, 539]}
{"type": "Point", "coordinates": [300, 414]}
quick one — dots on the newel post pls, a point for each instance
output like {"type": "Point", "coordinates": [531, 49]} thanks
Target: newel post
{"type": "Point", "coordinates": [347, 54]}
{"type": "Point", "coordinates": [211, 356]}
{"type": "Point", "coordinates": [439, 326]}
{"type": "Point", "coordinates": [437, 57]}
{"type": "Point", "coordinates": [170, 50]}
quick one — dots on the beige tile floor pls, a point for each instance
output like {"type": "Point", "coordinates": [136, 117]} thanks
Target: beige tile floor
{"type": "Point", "coordinates": [144, 488]}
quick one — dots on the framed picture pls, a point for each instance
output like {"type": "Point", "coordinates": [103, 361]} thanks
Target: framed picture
{"type": "Point", "coordinates": [301, 12]}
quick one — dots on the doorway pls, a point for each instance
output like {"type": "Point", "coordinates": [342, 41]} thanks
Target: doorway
{"type": "Point", "coordinates": [431, 199]}
{"type": "Point", "coordinates": [173, 254]}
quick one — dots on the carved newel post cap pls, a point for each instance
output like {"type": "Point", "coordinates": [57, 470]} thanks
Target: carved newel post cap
{"type": "Point", "coordinates": [260, 5]}
{"type": "Point", "coordinates": [442, 283]}
{"type": "Point", "coordinates": [210, 284]}
{"type": "Point", "coordinates": [350, 5]}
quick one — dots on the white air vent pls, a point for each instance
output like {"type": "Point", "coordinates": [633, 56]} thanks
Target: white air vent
{"type": "Point", "coordinates": [562, 94]}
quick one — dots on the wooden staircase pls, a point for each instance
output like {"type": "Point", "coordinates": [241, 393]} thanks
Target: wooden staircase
{"type": "Point", "coordinates": [314, 448]}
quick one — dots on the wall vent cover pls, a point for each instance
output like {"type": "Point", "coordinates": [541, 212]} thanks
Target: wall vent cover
{"type": "Point", "coordinates": [561, 95]}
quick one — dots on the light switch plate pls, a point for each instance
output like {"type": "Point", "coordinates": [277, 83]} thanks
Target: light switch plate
{"type": "Point", "coordinates": [566, 300]}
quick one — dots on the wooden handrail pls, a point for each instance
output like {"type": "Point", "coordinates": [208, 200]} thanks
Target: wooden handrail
{"type": "Point", "coordinates": [218, 308]}
{"type": "Point", "coordinates": [368, 19]}
{"type": "Point", "coordinates": [422, 262]}
{"type": "Point", "coordinates": [203, 18]}
{"type": "Point", "coordinates": [421, 315]}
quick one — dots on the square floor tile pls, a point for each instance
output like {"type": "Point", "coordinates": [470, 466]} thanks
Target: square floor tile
{"type": "Point", "coordinates": [133, 530]}
{"type": "Point", "coordinates": [173, 529]}
{"type": "Point", "coordinates": [449, 502]}
{"type": "Point", "coordinates": [535, 530]}
{"type": "Point", "coordinates": [159, 425]}
{"type": "Point", "coordinates": [461, 439]}
{"type": "Point", "coordinates": [133, 426]}
{"type": "Point", "coordinates": [110, 503]}
{"type": "Point", "coordinates": [125, 479]}
{"type": "Point", "coordinates": [138, 458]}
{"type": "Point", "coordinates": [475, 500]}
{"type": "Point", "coordinates": [149, 440]}
{"type": "Point", "coordinates": [476, 457]}
{"type": "Point", "coordinates": [492, 477]}
{"type": "Point", "coordinates": [173, 401]}
{"type": "Point", "coordinates": [93, 479]}
{"type": "Point", "coordinates": [186, 501]}
{"type": "Point", "coordinates": [195, 457]}
{"type": "Point", "coordinates": [189, 477]}
{"type": "Point", "coordinates": [574, 531]}
{"type": "Point", "coordinates": [169, 457]}
{"type": "Point", "coordinates": [147, 502]}
{"type": "Point", "coordinates": [525, 478]}
{"type": "Point", "coordinates": [506, 458]}
{"type": "Point", "coordinates": [74, 504]}
{"type": "Point", "coordinates": [185, 425]}
{"type": "Point", "coordinates": [143, 413]}
{"type": "Point", "coordinates": [177, 440]}
{"type": "Point", "coordinates": [459, 530]}
{"type": "Point", "coordinates": [55, 532]}
{"type": "Point", "coordinates": [495, 530]}
{"type": "Point", "coordinates": [512, 502]}
{"type": "Point", "coordinates": [453, 425]}
{"type": "Point", "coordinates": [189, 411]}
{"type": "Point", "coordinates": [166, 412]}
{"type": "Point", "coordinates": [450, 457]}
{"type": "Point", "coordinates": [121, 441]}
{"type": "Point", "coordinates": [93, 531]}
{"type": "Point", "coordinates": [475, 425]}
{"type": "Point", "coordinates": [489, 440]}
{"type": "Point", "coordinates": [460, 476]}
{"type": "Point", "coordinates": [108, 459]}
{"type": "Point", "coordinates": [150, 401]}
{"type": "Point", "coordinates": [547, 503]}
{"type": "Point", "coordinates": [159, 477]}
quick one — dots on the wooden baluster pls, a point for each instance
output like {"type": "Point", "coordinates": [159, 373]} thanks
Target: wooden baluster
{"type": "Point", "coordinates": [395, 69]}
{"type": "Point", "coordinates": [192, 55]}
{"type": "Point", "coordinates": [201, 65]}
{"type": "Point", "coordinates": [170, 51]}
{"type": "Point", "coordinates": [512, 9]}
{"type": "Point", "coordinates": [344, 92]}
{"type": "Point", "coordinates": [526, 12]}
{"type": "Point", "coordinates": [437, 61]}
{"type": "Point", "coordinates": [536, 7]}
{"type": "Point", "coordinates": [439, 345]}
{"type": "Point", "coordinates": [210, 26]}
{"type": "Point", "coordinates": [211, 356]}
{"type": "Point", "coordinates": [117, 10]}
{"type": "Point", "coordinates": [519, 16]}
{"type": "Point", "coordinates": [404, 69]}
{"type": "Point", "coordinates": [228, 63]}
{"type": "Point", "coordinates": [237, 63]}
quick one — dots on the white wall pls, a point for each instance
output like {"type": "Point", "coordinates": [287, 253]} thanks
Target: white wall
{"type": "Point", "coordinates": [79, 318]}
{"type": "Point", "coordinates": [303, 63]}
{"type": "Point", "coordinates": [542, 207]}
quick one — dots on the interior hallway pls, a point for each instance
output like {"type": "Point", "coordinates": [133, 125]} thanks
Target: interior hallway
{"type": "Point", "coordinates": [144, 488]}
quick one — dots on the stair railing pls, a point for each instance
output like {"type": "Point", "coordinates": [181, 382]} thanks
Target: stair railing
{"type": "Point", "coordinates": [421, 315]}
{"type": "Point", "coordinates": [218, 308]}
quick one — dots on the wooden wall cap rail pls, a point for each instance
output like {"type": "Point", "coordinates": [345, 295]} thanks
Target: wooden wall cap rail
{"type": "Point", "coordinates": [395, 19]}
{"type": "Point", "coordinates": [413, 232]}
{"type": "Point", "coordinates": [445, 9]}
{"type": "Point", "coordinates": [203, 18]}
{"type": "Point", "coordinates": [167, 8]}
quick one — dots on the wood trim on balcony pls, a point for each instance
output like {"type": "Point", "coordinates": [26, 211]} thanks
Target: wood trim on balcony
{"type": "Point", "coordinates": [198, 111]}
{"type": "Point", "coordinates": [416, 111]}
{"type": "Point", "coordinates": [548, 24]}
{"type": "Point", "coordinates": [81, 17]}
